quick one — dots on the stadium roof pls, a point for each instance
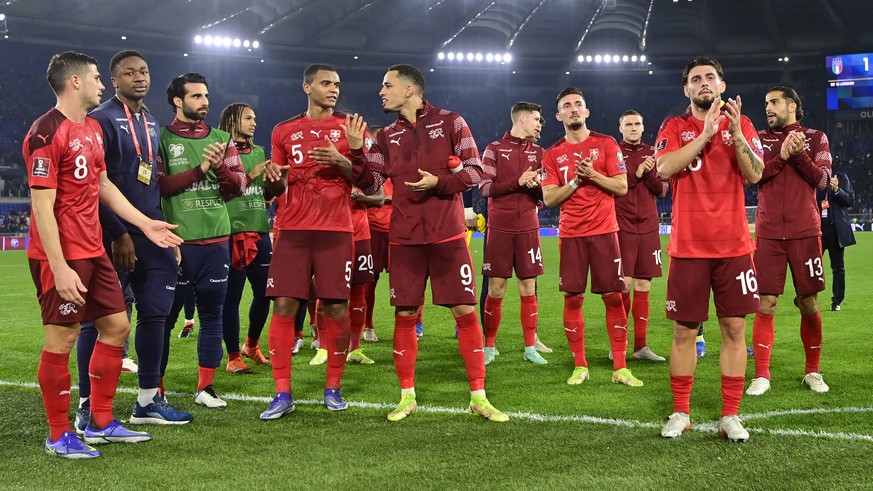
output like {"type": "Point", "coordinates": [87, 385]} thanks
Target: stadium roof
{"type": "Point", "coordinates": [538, 33]}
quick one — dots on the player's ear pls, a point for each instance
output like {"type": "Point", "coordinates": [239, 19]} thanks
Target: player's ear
{"type": "Point", "coordinates": [114, 82]}
{"type": "Point", "coordinates": [306, 88]}
{"type": "Point", "coordinates": [177, 101]}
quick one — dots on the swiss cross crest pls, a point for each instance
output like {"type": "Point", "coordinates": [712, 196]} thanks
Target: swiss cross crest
{"type": "Point", "coordinates": [594, 154]}
{"type": "Point", "coordinates": [726, 136]}
{"type": "Point", "coordinates": [335, 135]}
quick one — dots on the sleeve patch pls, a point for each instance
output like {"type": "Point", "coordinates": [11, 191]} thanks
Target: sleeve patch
{"type": "Point", "coordinates": [41, 167]}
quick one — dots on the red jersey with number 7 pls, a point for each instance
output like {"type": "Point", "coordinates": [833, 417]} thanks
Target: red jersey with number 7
{"type": "Point", "coordinates": [709, 206]}
{"type": "Point", "coordinates": [589, 210]}
{"type": "Point", "coordinates": [67, 157]}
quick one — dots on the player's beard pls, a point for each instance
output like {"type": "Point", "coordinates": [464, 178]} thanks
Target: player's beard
{"type": "Point", "coordinates": [778, 122]}
{"type": "Point", "coordinates": [193, 114]}
{"type": "Point", "coordinates": [575, 125]}
{"type": "Point", "coordinates": [704, 104]}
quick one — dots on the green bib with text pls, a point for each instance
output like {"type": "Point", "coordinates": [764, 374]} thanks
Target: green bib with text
{"type": "Point", "coordinates": [248, 213]}
{"type": "Point", "coordinates": [198, 209]}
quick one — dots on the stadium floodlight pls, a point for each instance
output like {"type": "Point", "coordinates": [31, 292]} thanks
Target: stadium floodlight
{"type": "Point", "coordinates": [642, 57]}
{"type": "Point", "coordinates": [470, 56]}
{"type": "Point", "coordinates": [498, 58]}
{"type": "Point", "coordinates": [489, 57]}
{"type": "Point", "coordinates": [650, 72]}
{"type": "Point", "coordinates": [207, 40]}
{"type": "Point", "coordinates": [256, 44]}
{"type": "Point", "coordinates": [615, 58]}
{"type": "Point", "coordinates": [566, 73]}
{"type": "Point", "coordinates": [123, 37]}
{"type": "Point", "coordinates": [507, 57]}
{"type": "Point", "coordinates": [2, 17]}
{"type": "Point", "coordinates": [598, 59]}
{"type": "Point", "coordinates": [198, 39]}
{"type": "Point", "coordinates": [478, 56]}
{"type": "Point", "coordinates": [580, 58]}
{"type": "Point", "coordinates": [451, 56]}
{"type": "Point", "coordinates": [634, 58]}
{"type": "Point", "coordinates": [624, 58]}
{"type": "Point", "coordinates": [226, 42]}
{"type": "Point", "coordinates": [589, 58]}
{"type": "Point", "coordinates": [607, 58]}
{"type": "Point", "coordinates": [441, 56]}
{"type": "Point", "coordinates": [236, 43]}
{"type": "Point", "coordinates": [246, 43]}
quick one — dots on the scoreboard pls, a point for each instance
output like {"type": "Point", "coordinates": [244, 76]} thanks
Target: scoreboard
{"type": "Point", "coordinates": [850, 81]}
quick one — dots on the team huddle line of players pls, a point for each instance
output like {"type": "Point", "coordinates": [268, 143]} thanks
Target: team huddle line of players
{"type": "Point", "coordinates": [183, 210]}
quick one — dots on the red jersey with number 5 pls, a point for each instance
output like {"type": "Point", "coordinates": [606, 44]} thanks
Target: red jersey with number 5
{"type": "Point", "coordinates": [67, 157]}
{"type": "Point", "coordinates": [317, 197]}
{"type": "Point", "coordinates": [589, 210]}
{"type": "Point", "coordinates": [709, 204]}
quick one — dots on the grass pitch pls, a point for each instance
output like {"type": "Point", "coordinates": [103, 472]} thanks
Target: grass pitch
{"type": "Point", "coordinates": [595, 436]}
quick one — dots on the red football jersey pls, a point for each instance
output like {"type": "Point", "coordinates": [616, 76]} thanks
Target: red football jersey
{"type": "Point", "coordinates": [317, 197]}
{"type": "Point", "coordinates": [67, 157]}
{"type": "Point", "coordinates": [590, 210]}
{"type": "Point", "coordinates": [380, 217]}
{"type": "Point", "coordinates": [709, 214]}
{"type": "Point", "coordinates": [360, 224]}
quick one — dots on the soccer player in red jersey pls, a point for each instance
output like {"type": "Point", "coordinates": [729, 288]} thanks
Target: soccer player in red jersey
{"type": "Point", "coordinates": [708, 153]}
{"type": "Point", "coordinates": [638, 237]}
{"type": "Point", "coordinates": [797, 162]}
{"type": "Point", "coordinates": [75, 280]}
{"type": "Point", "coordinates": [379, 218]}
{"type": "Point", "coordinates": [584, 172]}
{"type": "Point", "coordinates": [432, 158]}
{"type": "Point", "coordinates": [511, 182]}
{"type": "Point", "coordinates": [314, 243]}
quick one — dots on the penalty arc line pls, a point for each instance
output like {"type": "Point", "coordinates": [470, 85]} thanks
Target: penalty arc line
{"type": "Point", "coordinates": [708, 427]}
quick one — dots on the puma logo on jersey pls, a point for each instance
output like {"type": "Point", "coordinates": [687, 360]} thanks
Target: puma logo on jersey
{"type": "Point", "coordinates": [469, 289]}
{"type": "Point", "coordinates": [88, 139]}
{"type": "Point", "coordinates": [578, 155]}
{"type": "Point", "coordinates": [44, 138]}
{"type": "Point", "coordinates": [316, 133]}
{"type": "Point", "coordinates": [505, 155]}
{"type": "Point", "coordinates": [396, 142]}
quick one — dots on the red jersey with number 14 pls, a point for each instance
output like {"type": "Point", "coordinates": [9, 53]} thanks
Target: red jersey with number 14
{"type": "Point", "coordinates": [317, 197]}
{"type": "Point", "coordinates": [67, 157]}
{"type": "Point", "coordinates": [709, 204]}
{"type": "Point", "coordinates": [589, 210]}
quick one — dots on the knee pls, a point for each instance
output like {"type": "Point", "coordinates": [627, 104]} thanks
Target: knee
{"type": "Point", "coordinates": [768, 304]}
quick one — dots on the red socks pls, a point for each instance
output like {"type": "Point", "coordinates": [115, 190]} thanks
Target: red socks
{"type": "Point", "coordinates": [357, 315]}
{"type": "Point", "coordinates": [626, 301]}
{"type": "Point", "coordinates": [205, 376]}
{"type": "Point", "coordinates": [574, 328]}
{"type": "Point", "coordinates": [529, 313]}
{"type": "Point", "coordinates": [281, 339]}
{"type": "Point", "coordinates": [104, 371]}
{"type": "Point", "coordinates": [493, 315]}
{"type": "Point", "coordinates": [763, 333]}
{"type": "Point", "coordinates": [406, 349]}
{"type": "Point", "coordinates": [731, 393]}
{"type": "Point", "coordinates": [252, 343]}
{"type": "Point", "coordinates": [420, 319]}
{"type": "Point", "coordinates": [53, 375]}
{"type": "Point", "coordinates": [640, 315]}
{"type": "Point", "coordinates": [370, 300]}
{"type": "Point", "coordinates": [337, 342]}
{"type": "Point", "coordinates": [470, 345]}
{"type": "Point", "coordinates": [681, 385]}
{"type": "Point", "coordinates": [616, 327]}
{"type": "Point", "coordinates": [810, 334]}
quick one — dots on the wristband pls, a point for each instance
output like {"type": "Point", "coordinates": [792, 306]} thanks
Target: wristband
{"type": "Point", "coordinates": [574, 184]}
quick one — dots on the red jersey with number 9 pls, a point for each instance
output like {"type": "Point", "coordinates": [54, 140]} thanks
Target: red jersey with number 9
{"type": "Point", "coordinates": [67, 157]}
{"type": "Point", "coordinates": [709, 212]}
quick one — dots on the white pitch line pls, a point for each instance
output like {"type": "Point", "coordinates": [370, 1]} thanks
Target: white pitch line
{"type": "Point", "coordinates": [706, 427]}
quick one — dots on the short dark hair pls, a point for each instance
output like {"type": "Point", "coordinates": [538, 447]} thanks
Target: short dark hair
{"type": "Point", "coordinates": [63, 65]}
{"type": "Point", "coordinates": [790, 93]}
{"type": "Point", "coordinates": [410, 73]}
{"type": "Point", "coordinates": [629, 112]}
{"type": "Point", "coordinates": [177, 86]}
{"type": "Point", "coordinates": [524, 106]}
{"type": "Point", "coordinates": [231, 116]}
{"type": "Point", "coordinates": [566, 92]}
{"type": "Point", "coordinates": [121, 55]}
{"type": "Point", "coordinates": [312, 70]}
{"type": "Point", "coordinates": [702, 61]}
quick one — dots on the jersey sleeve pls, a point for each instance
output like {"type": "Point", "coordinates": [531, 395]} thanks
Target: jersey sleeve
{"type": "Point", "coordinates": [42, 159]}
{"type": "Point", "coordinates": [277, 151]}
{"type": "Point", "coordinates": [614, 159]}
{"type": "Point", "coordinates": [668, 138]}
{"type": "Point", "coordinates": [752, 137]}
{"type": "Point", "coordinates": [550, 174]}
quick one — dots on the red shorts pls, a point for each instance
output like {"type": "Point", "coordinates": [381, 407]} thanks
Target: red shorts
{"type": "Point", "coordinates": [379, 245]}
{"type": "Point", "coordinates": [363, 270]}
{"type": "Point", "coordinates": [298, 255]}
{"type": "Point", "coordinates": [803, 256]}
{"type": "Point", "coordinates": [447, 264]}
{"type": "Point", "coordinates": [103, 297]}
{"type": "Point", "coordinates": [601, 254]}
{"type": "Point", "coordinates": [640, 254]}
{"type": "Point", "coordinates": [504, 250]}
{"type": "Point", "coordinates": [731, 279]}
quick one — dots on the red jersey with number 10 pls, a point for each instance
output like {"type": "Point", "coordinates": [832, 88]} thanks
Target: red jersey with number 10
{"type": "Point", "coordinates": [589, 210]}
{"type": "Point", "coordinates": [317, 197]}
{"type": "Point", "coordinates": [67, 157]}
{"type": "Point", "coordinates": [709, 204]}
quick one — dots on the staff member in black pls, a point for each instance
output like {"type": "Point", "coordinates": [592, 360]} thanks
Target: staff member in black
{"type": "Point", "coordinates": [836, 230]}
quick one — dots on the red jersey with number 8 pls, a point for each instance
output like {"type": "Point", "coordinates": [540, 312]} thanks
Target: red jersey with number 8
{"type": "Point", "coordinates": [67, 157]}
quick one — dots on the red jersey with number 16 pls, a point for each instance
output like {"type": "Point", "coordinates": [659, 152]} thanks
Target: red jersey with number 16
{"type": "Point", "coordinates": [589, 210]}
{"type": "Point", "coordinates": [709, 206]}
{"type": "Point", "coordinates": [317, 197]}
{"type": "Point", "coordinates": [67, 157]}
